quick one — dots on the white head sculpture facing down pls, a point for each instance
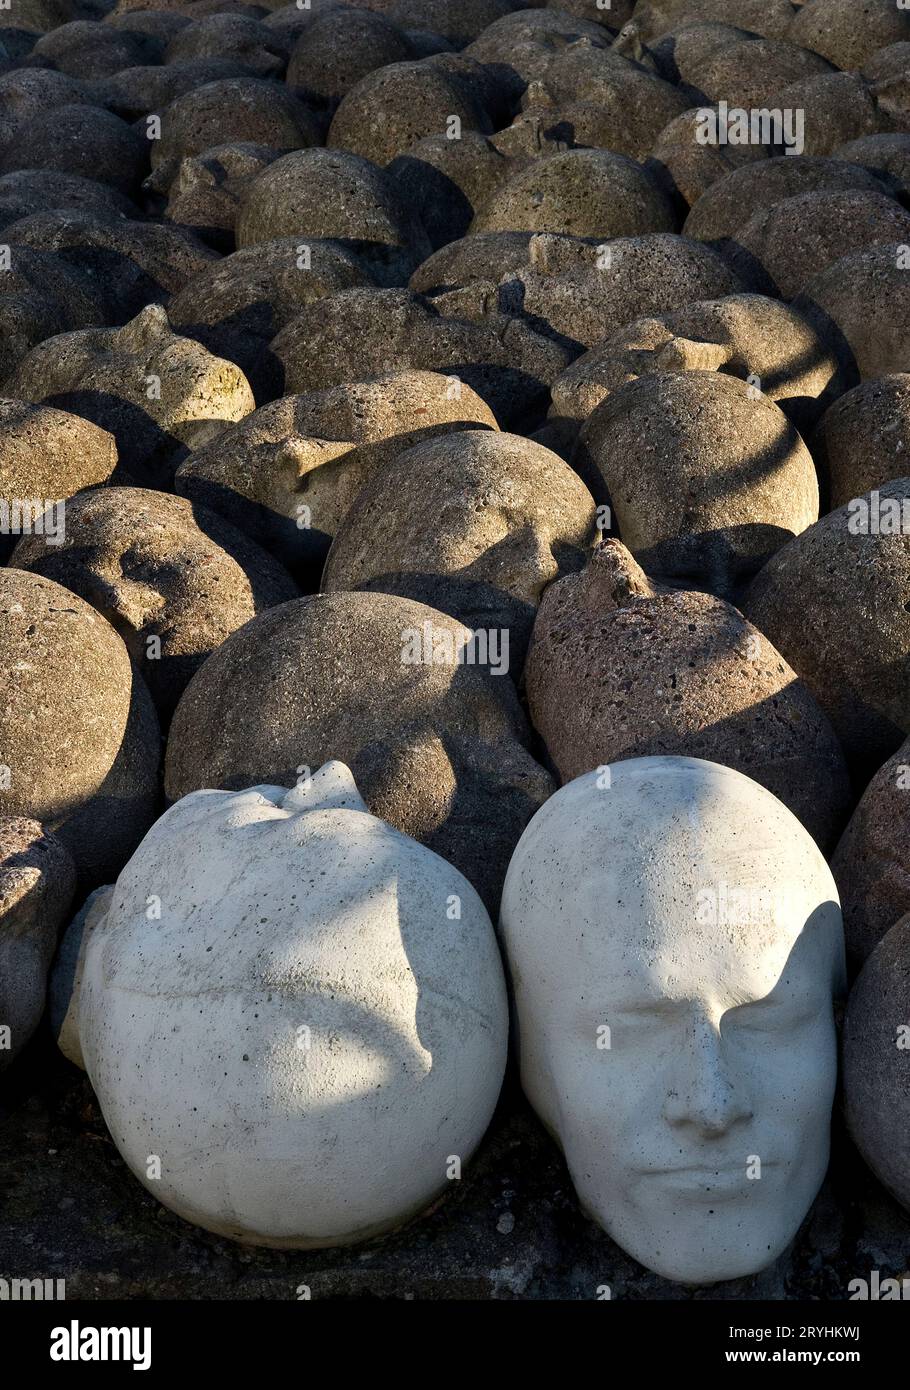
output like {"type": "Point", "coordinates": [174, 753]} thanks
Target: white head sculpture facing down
{"type": "Point", "coordinates": [675, 943]}
{"type": "Point", "coordinates": [294, 1017]}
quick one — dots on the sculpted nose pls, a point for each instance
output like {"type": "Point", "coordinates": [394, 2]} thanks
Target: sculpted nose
{"type": "Point", "coordinates": [705, 1092]}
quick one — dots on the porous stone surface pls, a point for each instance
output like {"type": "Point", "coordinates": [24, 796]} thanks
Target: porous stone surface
{"type": "Point", "coordinates": [361, 333]}
{"type": "Point", "coordinates": [47, 456]}
{"type": "Point", "coordinates": [581, 192]}
{"type": "Point", "coordinates": [393, 688]}
{"type": "Point", "coordinates": [752, 337]}
{"type": "Point", "coordinates": [478, 524]}
{"type": "Point", "coordinates": [863, 438]}
{"type": "Point", "coordinates": [705, 475]}
{"type": "Point", "coordinates": [289, 473]}
{"type": "Point", "coordinates": [860, 304]}
{"type": "Point", "coordinates": [71, 686]}
{"type": "Point", "coordinates": [875, 1062]}
{"type": "Point", "coordinates": [848, 34]}
{"type": "Point", "coordinates": [870, 863]}
{"type": "Point", "coordinates": [173, 578]}
{"type": "Point", "coordinates": [204, 195]}
{"type": "Point", "coordinates": [65, 979]}
{"type": "Point", "coordinates": [801, 237]}
{"type": "Point", "coordinates": [851, 575]}
{"type": "Point", "coordinates": [79, 139]}
{"type": "Point", "coordinates": [37, 881]}
{"type": "Point", "coordinates": [621, 667]}
{"type": "Point", "coordinates": [144, 384]}
{"type": "Point", "coordinates": [237, 306]}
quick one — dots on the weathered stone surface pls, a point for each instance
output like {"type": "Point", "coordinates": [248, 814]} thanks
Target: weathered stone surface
{"type": "Point", "coordinates": [173, 578]}
{"type": "Point", "coordinates": [39, 297]}
{"type": "Point", "coordinates": [746, 335]}
{"type": "Point", "coordinates": [731, 201]}
{"type": "Point", "coordinates": [706, 476]}
{"type": "Point", "coordinates": [872, 861]}
{"type": "Point", "coordinates": [518, 48]}
{"type": "Point", "coordinates": [582, 192]}
{"type": "Point", "coordinates": [337, 49]}
{"type": "Point", "coordinates": [875, 1062]}
{"type": "Point", "coordinates": [138, 92]}
{"type": "Point", "coordinates": [800, 237]}
{"type": "Point", "coordinates": [77, 139]}
{"type": "Point", "coordinates": [77, 727]}
{"type": "Point", "coordinates": [434, 745]}
{"type": "Point", "coordinates": [358, 334]}
{"type": "Point", "coordinates": [239, 38]}
{"type": "Point", "coordinates": [475, 523]}
{"type": "Point", "coordinates": [846, 36]}
{"type": "Point", "coordinates": [886, 155]}
{"type": "Point", "coordinates": [685, 168]}
{"type": "Point", "coordinates": [246, 109]}
{"type": "Point", "coordinates": [288, 474]}
{"type": "Point", "coordinates": [748, 71]}
{"type": "Point", "coordinates": [127, 264]}
{"type": "Point", "coordinates": [37, 881]}
{"type": "Point", "coordinates": [47, 455]}
{"type": "Point", "coordinates": [332, 194]}
{"type": "Point", "coordinates": [395, 106]}
{"type": "Point", "coordinates": [863, 439]}
{"type": "Point", "coordinates": [836, 107]}
{"type": "Point", "coordinates": [204, 196]}
{"type": "Point", "coordinates": [146, 385]}
{"type": "Point", "coordinates": [833, 602]}
{"type": "Point", "coordinates": [771, 18]}
{"type": "Point", "coordinates": [90, 49]}
{"type": "Point", "coordinates": [65, 979]}
{"type": "Point", "coordinates": [445, 181]}
{"type": "Point", "coordinates": [29, 191]}
{"type": "Point", "coordinates": [620, 667]}
{"type": "Point", "coordinates": [861, 304]}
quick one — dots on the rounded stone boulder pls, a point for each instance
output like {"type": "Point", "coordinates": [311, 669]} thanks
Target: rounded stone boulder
{"type": "Point", "coordinates": [173, 578]}
{"type": "Point", "coordinates": [37, 881]}
{"type": "Point", "coordinates": [204, 195]}
{"type": "Point", "coordinates": [127, 264]}
{"type": "Point", "coordinates": [872, 861]}
{"type": "Point", "coordinates": [333, 194]}
{"type": "Point", "coordinates": [80, 140]}
{"type": "Point", "coordinates": [362, 333]}
{"type": "Point", "coordinates": [238, 305]}
{"type": "Point", "coordinates": [40, 296]}
{"type": "Point", "coordinates": [835, 106]}
{"type": "Point", "coordinates": [288, 474]}
{"type": "Point", "coordinates": [588, 193]}
{"type": "Point", "coordinates": [745, 72]}
{"type": "Point", "coordinates": [863, 439]}
{"type": "Point", "coordinates": [135, 93]}
{"type": "Point", "coordinates": [445, 181]}
{"type": "Point", "coordinates": [78, 728]}
{"type": "Point", "coordinates": [239, 38]}
{"type": "Point", "coordinates": [802, 236]}
{"type": "Point", "coordinates": [876, 1102]}
{"type": "Point", "coordinates": [357, 1013]}
{"type": "Point", "coordinates": [834, 603]}
{"type": "Point", "coordinates": [580, 292]}
{"type": "Point", "coordinates": [861, 303]}
{"type": "Point", "coordinates": [518, 48]}
{"type": "Point", "coordinates": [246, 109]}
{"type": "Point", "coordinates": [886, 155]}
{"type": "Point", "coordinates": [847, 33]}
{"type": "Point", "coordinates": [30, 191]}
{"type": "Point", "coordinates": [46, 457]}
{"type": "Point", "coordinates": [393, 107]}
{"type": "Point", "coordinates": [339, 48]}
{"type": "Point", "coordinates": [705, 475]}
{"type": "Point", "coordinates": [476, 524]}
{"type": "Point", "coordinates": [685, 168]}
{"type": "Point", "coordinates": [437, 742]}
{"type": "Point", "coordinates": [620, 667]}
{"type": "Point", "coordinates": [748, 336]}
{"type": "Point", "coordinates": [148, 387]}
{"type": "Point", "coordinates": [731, 201]}
{"type": "Point", "coordinates": [770, 18]}
{"type": "Point", "coordinates": [90, 49]}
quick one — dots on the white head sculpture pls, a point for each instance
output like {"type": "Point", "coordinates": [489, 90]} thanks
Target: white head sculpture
{"type": "Point", "coordinates": [675, 944]}
{"type": "Point", "coordinates": [294, 1016]}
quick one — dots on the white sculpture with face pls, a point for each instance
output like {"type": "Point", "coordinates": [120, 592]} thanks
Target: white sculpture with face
{"type": "Point", "coordinates": [294, 1016]}
{"type": "Point", "coordinates": [675, 942]}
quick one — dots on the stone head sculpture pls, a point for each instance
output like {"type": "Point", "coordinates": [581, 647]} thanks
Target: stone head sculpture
{"type": "Point", "coordinates": [294, 1017]}
{"type": "Point", "coordinates": [675, 943]}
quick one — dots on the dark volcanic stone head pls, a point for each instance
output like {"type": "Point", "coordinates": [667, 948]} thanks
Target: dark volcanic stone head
{"type": "Point", "coordinates": [436, 743]}
{"type": "Point", "coordinates": [78, 728]}
{"type": "Point", "coordinates": [705, 475]}
{"type": "Point", "coordinates": [622, 668]}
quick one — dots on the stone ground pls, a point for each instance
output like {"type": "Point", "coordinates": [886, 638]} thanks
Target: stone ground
{"type": "Point", "coordinates": [511, 1229]}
